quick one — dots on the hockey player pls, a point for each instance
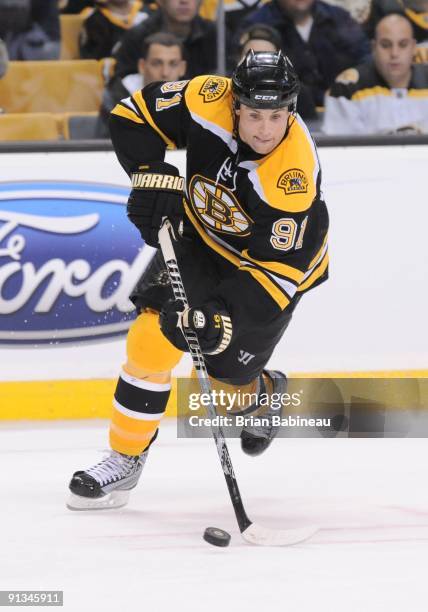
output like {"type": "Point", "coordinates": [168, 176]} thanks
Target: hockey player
{"type": "Point", "coordinates": [254, 240]}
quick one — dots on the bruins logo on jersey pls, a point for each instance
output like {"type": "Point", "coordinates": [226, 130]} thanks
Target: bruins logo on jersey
{"type": "Point", "coordinates": [213, 89]}
{"type": "Point", "coordinates": [293, 181]}
{"type": "Point", "coordinates": [217, 208]}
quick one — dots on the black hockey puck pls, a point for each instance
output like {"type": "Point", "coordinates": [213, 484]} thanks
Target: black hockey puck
{"type": "Point", "coordinates": [216, 536]}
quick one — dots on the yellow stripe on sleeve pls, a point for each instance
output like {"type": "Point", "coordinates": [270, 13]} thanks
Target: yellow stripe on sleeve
{"type": "Point", "coordinates": [315, 274]}
{"type": "Point", "coordinates": [127, 113]}
{"type": "Point", "coordinates": [318, 255]}
{"type": "Point", "coordinates": [277, 267]}
{"type": "Point", "coordinates": [141, 103]}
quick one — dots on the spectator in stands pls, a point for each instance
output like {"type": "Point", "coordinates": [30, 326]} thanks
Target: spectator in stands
{"type": "Point", "coordinates": [321, 40]}
{"type": "Point", "coordinates": [30, 29]}
{"type": "Point", "coordinates": [179, 17]}
{"type": "Point", "coordinates": [105, 26]}
{"type": "Point", "coordinates": [262, 37]}
{"type": "Point", "coordinates": [161, 59]}
{"type": "Point", "coordinates": [4, 59]}
{"type": "Point", "coordinates": [415, 10]}
{"type": "Point", "coordinates": [385, 95]}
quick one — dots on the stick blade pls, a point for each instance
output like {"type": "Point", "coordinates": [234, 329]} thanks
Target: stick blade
{"type": "Point", "coordinates": [263, 536]}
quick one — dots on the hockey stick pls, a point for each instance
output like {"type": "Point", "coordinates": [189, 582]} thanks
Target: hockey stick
{"type": "Point", "coordinates": [251, 532]}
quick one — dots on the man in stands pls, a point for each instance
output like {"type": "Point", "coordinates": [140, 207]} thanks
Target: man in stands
{"type": "Point", "coordinates": [161, 59]}
{"type": "Point", "coordinates": [321, 40]}
{"type": "Point", "coordinates": [179, 17]}
{"type": "Point", "coordinates": [415, 10]}
{"type": "Point", "coordinates": [105, 26]}
{"type": "Point", "coordinates": [385, 95]}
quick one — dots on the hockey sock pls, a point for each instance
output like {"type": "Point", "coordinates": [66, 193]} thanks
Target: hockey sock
{"type": "Point", "coordinates": [138, 408]}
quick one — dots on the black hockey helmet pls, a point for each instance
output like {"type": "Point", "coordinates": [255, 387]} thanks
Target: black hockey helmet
{"type": "Point", "coordinates": [266, 80]}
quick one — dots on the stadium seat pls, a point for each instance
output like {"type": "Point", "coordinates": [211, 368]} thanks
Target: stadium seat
{"type": "Point", "coordinates": [29, 126]}
{"type": "Point", "coordinates": [80, 126]}
{"type": "Point", "coordinates": [52, 86]}
{"type": "Point", "coordinates": [71, 26]}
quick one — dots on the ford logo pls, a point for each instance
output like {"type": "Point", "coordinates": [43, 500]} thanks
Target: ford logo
{"type": "Point", "coordinates": [69, 259]}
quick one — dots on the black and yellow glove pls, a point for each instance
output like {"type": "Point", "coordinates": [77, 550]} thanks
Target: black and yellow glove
{"type": "Point", "coordinates": [212, 326]}
{"type": "Point", "coordinates": [157, 192]}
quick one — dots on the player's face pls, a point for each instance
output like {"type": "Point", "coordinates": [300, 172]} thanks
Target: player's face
{"type": "Point", "coordinates": [393, 50]}
{"type": "Point", "coordinates": [162, 64]}
{"type": "Point", "coordinates": [262, 129]}
{"type": "Point", "coordinates": [180, 11]}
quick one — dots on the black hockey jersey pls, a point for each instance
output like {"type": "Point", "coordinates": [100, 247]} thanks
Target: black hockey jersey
{"type": "Point", "coordinates": [263, 214]}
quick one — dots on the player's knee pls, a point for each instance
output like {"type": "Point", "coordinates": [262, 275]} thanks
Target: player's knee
{"type": "Point", "coordinates": [146, 346]}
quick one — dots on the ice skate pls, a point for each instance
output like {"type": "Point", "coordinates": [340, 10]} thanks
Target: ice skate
{"type": "Point", "coordinates": [107, 484]}
{"type": "Point", "coordinates": [256, 438]}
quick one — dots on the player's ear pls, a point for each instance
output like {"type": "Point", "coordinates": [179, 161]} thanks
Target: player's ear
{"type": "Point", "coordinates": [141, 65]}
{"type": "Point", "coordinates": [183, 67]}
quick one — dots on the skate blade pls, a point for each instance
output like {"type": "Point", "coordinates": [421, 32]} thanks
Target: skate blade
{"type": "Point", "coordinates": [115, 499]}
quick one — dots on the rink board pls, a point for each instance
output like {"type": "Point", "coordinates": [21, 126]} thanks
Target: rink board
{"type": "Point", "coordinates": [370, 316]}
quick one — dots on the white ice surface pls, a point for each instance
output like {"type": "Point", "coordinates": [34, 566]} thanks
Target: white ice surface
{"type": "Point", "coordinates": [370, 497]}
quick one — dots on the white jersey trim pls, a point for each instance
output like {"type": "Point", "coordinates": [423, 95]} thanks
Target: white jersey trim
{"type": "Point", "coordinates": [139, 416]}
{"type": "Point", "coordinates": [285, 285]}
{"type": "Point", "coordinates": [225, 136]}
{"type": "Point", "coordinates": [312, 145]}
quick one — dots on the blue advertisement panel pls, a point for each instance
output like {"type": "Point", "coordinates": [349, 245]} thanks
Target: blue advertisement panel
{"type": "Point", "coordinates": [69, 258]}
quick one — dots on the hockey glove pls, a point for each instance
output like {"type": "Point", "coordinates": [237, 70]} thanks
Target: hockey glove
{"type": "Point", "coordinates": [157, 193]}
{"type": "Point", "coordinates": [212, 326]}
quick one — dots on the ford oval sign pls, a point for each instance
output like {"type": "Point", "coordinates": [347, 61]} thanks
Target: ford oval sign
{"type": "Point", "coordinates": [69, 259]}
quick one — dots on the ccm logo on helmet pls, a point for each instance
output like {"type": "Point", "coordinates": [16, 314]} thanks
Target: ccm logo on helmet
{"type": "Point", "coordinates": [265, 98]}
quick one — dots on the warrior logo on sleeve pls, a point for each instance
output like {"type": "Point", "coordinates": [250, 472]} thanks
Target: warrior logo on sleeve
{"type": "Point", "coordinates": [217, 207]}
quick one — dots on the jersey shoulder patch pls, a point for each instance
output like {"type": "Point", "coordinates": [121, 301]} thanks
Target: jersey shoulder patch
{"type": "Point", "coordinates": [286, 179]}
{"type": "Point", "coordinates": [210, 98]}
